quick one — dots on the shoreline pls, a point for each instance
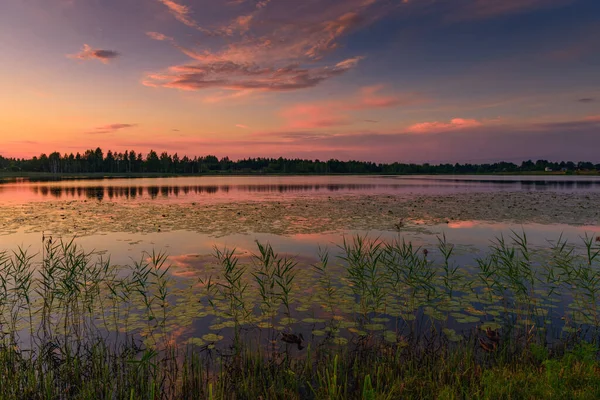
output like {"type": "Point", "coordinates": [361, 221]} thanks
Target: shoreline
{"type": "Point", "coordinates": [102, 175]}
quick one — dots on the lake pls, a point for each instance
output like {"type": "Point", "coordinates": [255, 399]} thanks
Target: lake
{"type": "Point", "coordinates": [188, 218]}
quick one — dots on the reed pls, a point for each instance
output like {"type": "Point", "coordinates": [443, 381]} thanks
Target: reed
{"type": "Point", "coordinates": [74, 325]}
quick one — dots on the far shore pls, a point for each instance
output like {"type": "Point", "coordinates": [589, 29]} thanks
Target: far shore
{"type": "Point", "coordinates": [109, 175]}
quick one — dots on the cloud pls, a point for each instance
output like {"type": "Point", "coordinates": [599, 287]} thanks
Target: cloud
{"type": "Point", "coordinates": [239, 25]}
{"type": "Point", "coordinates": [111, 128]}
{"type": "Point", "coordinates": [88, 53]}
{"type": "Point", "coordinates": [242, 126]}
{"type": "Point", "coordinates": [180, 12]}
{"type": "Point", "coordinates": [158, 36]}
{"type": "Point", "coordinates": [370, 97]}
{"type": "Point", "coordinates": [338, 112]}
{"type": "Point", "coordinates": [221, 96]}
{"type": "Point", "coordinates": [436, 126]}
{"type": "Point", "coordinates": [307, 116]}
{"type": "Point", "coordinates": [243, 76]}
{"type": "Point", "coordinates": [278, 46]}
{"type": "Point", "coordinates": [586, 100]}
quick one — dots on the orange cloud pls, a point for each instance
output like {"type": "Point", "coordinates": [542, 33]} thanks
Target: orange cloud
{"type": "Point", "coordinates": [436, 126]}
{"type": "Point", "coordinates": [88, 53]}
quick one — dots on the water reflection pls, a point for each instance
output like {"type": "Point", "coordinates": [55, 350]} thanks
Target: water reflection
{"type": "Point", "coordinates": [153, 192]}
{"type": "Point", "coordinates": [257, 188]}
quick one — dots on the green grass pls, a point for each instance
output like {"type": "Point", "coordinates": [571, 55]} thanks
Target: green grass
{"type": "Point", "coordinates": [74, 325]}
{"type": "Point", "coordinates": [365, 373]}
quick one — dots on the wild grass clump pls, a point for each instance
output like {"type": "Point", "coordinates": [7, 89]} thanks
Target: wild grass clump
{"type": "Point", "coordinates": [388, 320]}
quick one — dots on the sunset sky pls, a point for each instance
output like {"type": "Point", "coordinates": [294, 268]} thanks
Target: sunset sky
{"type": "Point", "coordinates": [379, 80]}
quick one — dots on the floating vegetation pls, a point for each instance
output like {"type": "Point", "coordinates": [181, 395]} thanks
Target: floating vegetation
{"type": "Point", "coordinates": [288, 216]}
{"type": "Point", "coordinates": [376, 310]}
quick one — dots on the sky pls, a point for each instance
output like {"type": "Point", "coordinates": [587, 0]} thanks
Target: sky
{"type": "Point", "coordinates": [374, 80]}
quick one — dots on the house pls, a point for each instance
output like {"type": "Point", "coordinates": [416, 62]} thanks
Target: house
{"type": "Point", "coordinates": [548, 169]}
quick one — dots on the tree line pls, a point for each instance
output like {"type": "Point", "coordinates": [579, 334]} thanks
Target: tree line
{"type": "Point", "coordinates": [96, 161]}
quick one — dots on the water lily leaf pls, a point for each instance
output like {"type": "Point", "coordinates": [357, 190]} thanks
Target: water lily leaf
{"type": "Point", "coordinates": [211, 337]}
{"type": "Point", "coordinates": [468, 320]}
{"type": "Point", "coordinates": [195, 341]}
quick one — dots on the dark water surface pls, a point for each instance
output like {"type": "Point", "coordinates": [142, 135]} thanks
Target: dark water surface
{"type": "Point", "coordinates": [210, 188]}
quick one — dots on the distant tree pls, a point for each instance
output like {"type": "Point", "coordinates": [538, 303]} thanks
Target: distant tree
{"type": "Point", "coordinates": [176, 163]}
{"type": "Point", "coordinates": [109, 162]}
{"type": "Point", "coordinates": [152, 162]}
{"type": "Point", "coordinates": [584, 165]}
{"type": "Point", "coordinates": [54, 162]}
{"type": "Point", "coordinates": [44, 163]}
{"type": "Point", "coordinates": [166, 161]}
{"type": "Point", "coordinates": [129, 161]}
{"type": "Point", "coordinates": [527, 165]}
{"type": "Point", "coordinates": [99, 159]}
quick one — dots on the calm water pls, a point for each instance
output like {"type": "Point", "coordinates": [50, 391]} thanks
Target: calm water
{"type": "Point", "coordinates": [209, 189]}
{"type": "Point", "coordinates": [189, 251]}
{"type": "Point", "coordinates": [142, 191]}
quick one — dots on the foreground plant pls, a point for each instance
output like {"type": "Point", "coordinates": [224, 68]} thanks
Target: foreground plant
{"type": "Point", "coordinates": [73, 325]}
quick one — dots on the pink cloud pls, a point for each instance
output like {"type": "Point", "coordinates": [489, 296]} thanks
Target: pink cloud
{"type": "Point", "coordinates": [242, 126]}
{"type": "Point", "coordinates": [239, 25]}
{"type": "Point", "coordinates": [158, 36]}
{"type": "Point", "coordinates": [436, 126]}
{"type": "Point", "coordinates": [180, 12]}
{"type": "Point", "coordinates": [266, 50]}
{"type": "Point", "coordinates": [227, 96]}
{"type": "Point", "coordinates": [307, 116]}
{"type": "Point", "coordinates": [370, 97]}
{"type": "Point", "coordinates": [88, 53]}
{"type": "Point", "coordinates": [336, 112]}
